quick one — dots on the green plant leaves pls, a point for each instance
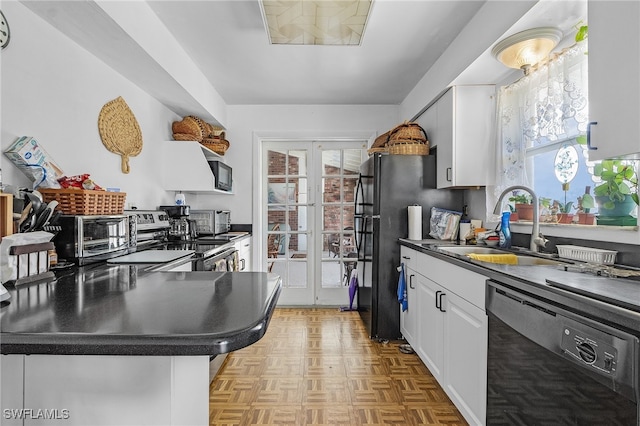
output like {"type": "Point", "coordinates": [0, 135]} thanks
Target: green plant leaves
{"type": "Point", "coordinates": [583, 33]}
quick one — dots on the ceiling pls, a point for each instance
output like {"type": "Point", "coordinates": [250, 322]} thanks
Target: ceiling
{"type": "Point", "coordinates": [229, 43]}
{"type": "Point", "coordinates": [226, 43]}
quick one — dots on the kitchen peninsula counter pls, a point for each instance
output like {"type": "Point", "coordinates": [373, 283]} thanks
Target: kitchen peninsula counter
{"type": "Point", "coordinates": [113, 344]}
{"type": "Point", "coordinates": [115, 310]}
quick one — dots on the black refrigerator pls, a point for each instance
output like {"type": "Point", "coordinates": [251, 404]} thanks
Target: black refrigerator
{"type": "Point", "coordinates": [387, 185]}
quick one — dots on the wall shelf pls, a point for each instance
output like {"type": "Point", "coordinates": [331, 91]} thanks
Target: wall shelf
{"type": "Point", "coordinates": [186, 167]}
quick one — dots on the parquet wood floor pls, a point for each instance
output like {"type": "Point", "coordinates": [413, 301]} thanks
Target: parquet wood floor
{"type": "Point", "coordinates": [317, 366]}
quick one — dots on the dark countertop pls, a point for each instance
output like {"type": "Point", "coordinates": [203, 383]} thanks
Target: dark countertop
{"type": "Point", "coordinates": [600, 298]}
{"type": "Point", "coordinates": [122, 310]}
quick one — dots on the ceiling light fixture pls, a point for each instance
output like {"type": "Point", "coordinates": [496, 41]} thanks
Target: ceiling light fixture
{"type": "Point", "coordinates": [525, 49]}
{"type": "Point", "coordinates": [315, 22]}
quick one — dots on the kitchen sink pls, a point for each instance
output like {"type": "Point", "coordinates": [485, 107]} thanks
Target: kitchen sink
{"type": "Point", "coordinates": [523, 260]}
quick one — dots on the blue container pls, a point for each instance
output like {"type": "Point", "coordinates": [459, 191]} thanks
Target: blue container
{"type": "Point", "coordinates": [505, 231]}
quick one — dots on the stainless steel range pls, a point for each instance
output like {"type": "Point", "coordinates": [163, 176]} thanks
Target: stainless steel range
{"type": "Point", "coordinates": [151, 231]}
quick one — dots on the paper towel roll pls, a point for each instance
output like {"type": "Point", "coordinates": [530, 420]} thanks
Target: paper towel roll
{"type": "Point", "coordinates": [415, 222]}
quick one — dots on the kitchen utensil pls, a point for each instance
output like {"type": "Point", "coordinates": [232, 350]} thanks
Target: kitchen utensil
{"type": "Point", "coordinates": [42, 218]}
{"type": "Point", "coordinates": [25, 213]}
{"type": "Point", "coordinates": [51, 206]}
{"type": "Point", "coordinates": [36, 202]}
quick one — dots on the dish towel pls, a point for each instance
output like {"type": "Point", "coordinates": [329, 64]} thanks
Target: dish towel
{"type": "Point", "coordinates": [402, 289]}
{"type": "Point", "coordinates": [505, 259]}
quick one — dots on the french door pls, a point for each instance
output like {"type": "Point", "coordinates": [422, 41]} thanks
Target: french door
{"type": "Point", "coordinates": [308, 205]}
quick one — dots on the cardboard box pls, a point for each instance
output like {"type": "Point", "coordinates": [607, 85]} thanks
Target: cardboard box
{"type": "Point", "coordinates": [31, 158]}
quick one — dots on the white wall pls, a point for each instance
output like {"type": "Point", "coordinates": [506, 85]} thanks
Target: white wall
{"type": "Point", "coordinates": [285, 121]}
{"type": "Point", "coordinates": [53, 90]}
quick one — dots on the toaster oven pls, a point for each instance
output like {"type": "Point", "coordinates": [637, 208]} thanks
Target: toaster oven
{"type": "Point", "coordinates": [211, 222]}
{"type": "Point", "coordinates": [86, 239]}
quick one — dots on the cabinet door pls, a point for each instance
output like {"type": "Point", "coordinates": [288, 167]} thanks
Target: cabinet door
{"type": "Point", "coordinates": [409, 318]}
{"type": "Point", "coordinates": [614, 80]}
{"type": "Point", "coordinates": [444, 136]}
{"type": "Point", "coordinates": [430, 327]}
{"type": "Point", "coordinates": [244, 254]}
{"type": "Point", "coordinates": [465, 349]}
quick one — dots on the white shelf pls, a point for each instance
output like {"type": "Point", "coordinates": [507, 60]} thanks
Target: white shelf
{"type": "Point", "coordinates": [186, 167]}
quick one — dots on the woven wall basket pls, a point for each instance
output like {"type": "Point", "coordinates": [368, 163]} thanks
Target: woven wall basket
{"type": "Point", "coordinates": [119, 131]}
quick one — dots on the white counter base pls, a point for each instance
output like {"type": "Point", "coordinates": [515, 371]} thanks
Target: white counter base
{"type": "Point", "coordinates": [104, 390]}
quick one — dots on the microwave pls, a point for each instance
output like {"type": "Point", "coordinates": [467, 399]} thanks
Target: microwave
{"type": "Point", "coordinates": [223, 175]}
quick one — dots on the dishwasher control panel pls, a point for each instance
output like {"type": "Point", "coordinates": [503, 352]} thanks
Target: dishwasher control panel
{"type": "Point", "coordinates": [589, 350]}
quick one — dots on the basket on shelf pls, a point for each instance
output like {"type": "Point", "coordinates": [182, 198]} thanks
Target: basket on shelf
{"type": "Point", "coordinates": [408, 138]}
{"type": "Point", "coordinates": [216, 145]}
{"type": "Point", "coordinates": [587, 254]}
{"type": "Point", "coordinates": [190, 126]}
{"type": "Point", "coordinates": [84, 201]}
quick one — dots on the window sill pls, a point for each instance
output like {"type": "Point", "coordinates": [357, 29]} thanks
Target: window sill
{"type": "Point", "coordinates": [619, 234]}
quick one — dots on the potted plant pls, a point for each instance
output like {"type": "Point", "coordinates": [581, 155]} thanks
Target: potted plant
{"type": "Point", "coordinates": [617, 195]}
{"type": "Point", "coordinates": [564, 211]}
{"type": "Point", "coordinates": [585, 204]}
{"type": "Point", "coordinates": [514, 214]}
{"type": "Point", "coordinates": [523, 206]}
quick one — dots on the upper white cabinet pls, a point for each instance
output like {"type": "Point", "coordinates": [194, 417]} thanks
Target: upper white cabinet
{"type": "Point", "coordinates": [614, 80]}
{"type": "Point", "coordinates": [186, 167]}
{"type": "Point", "coordinates": [460, 123]}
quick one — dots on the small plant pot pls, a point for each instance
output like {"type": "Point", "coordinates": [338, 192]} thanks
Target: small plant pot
{"type": "Point", "coordinates": [621, 208]}
{"type": "Point", "coordinates": [586, 218]}
{"type": "Point", "coordinates": [525, 211]}
{"type": "Point", "coordinates": [565, 217]}
{"type": "Point", "coordinates": [514, 217]}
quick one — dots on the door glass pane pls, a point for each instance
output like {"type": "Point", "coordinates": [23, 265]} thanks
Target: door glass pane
{"type": "Point", "coordinates": [331, 164]}
{"type": "Point", "coordinates": [349, 189]}
{"type": "Point", "coordinates": [331, 218]}
{"type": "Point", "coordinates": [276, 162]}
{"type": "Point", "coordinates": [297, 164]}
{"type": "Point", "coordinates": [331, 192]}
{"type": "Point", "coordinates": [352, 161]}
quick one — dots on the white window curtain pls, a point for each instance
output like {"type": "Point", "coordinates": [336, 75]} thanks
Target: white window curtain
{"type": "Point", "coordinates": [547, 106]}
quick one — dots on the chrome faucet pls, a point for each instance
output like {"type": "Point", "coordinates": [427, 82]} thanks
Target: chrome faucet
{"type": "Point", "coordinates": [537, 239]}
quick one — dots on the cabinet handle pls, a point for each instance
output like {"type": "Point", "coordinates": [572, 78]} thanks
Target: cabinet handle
{"type": "Point", "coordinates": [589, 147]}
{"type": "Point", "coordinates": [411, 281]}
{"type": "Point", "coordinates": [406, 257]}
{"type": "Point", "coordinates": [243, 263]}
{"type": "Point", "coordinates": [440, 298]}
{"type": "Point", "coordinates": [448, 174]}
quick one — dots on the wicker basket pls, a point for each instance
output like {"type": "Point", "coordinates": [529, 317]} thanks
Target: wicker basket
{"type": "Point", "coordinates": [380, 144]}
{"type": "Point", "coordinates": [408, 139]}
{"type": "Point", "coordinates": [183, 137]}
{"type": "Point", "coordinates": [188, 126]}
{"type": "Point", "coordinates": [409, 147]}
{"type": "Point", "coordinates": [216, 145]}
{"type": "Point", "coordinates": [85, 202]}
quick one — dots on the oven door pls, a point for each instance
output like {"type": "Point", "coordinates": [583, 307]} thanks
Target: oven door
{"type": "Point", "coordinates": [225, 261]}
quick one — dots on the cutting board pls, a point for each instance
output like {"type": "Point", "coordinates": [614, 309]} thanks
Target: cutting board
{"type": "Point", "coordinates": [152, 256]}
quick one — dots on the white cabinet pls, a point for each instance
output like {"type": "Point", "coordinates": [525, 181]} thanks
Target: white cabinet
{"type": "Point", "coordinates": [451, 331]}
{"type": "Point", "coordinates": [186, 167]}
{"type": "Point", "coordinates": [460, 123]}
{"type": "Point", "coordinates": [431, 329]}
{"type": "Point", "coordinates": [614, 80]}
{"type": "Point", "coordinates": [244, 253]}
{"type": "Point", "coordinates": [409, 318]}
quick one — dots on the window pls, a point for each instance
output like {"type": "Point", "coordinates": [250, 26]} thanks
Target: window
{"type": "Point", "coordinates": [542, 123]}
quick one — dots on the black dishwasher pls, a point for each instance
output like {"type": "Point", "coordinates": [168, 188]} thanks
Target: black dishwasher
{"type": "Point", "coordinates": [550, 366]}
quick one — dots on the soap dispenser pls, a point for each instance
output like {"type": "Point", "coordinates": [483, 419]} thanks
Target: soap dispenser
{"type": "Point", "coordinates": [505, 230]}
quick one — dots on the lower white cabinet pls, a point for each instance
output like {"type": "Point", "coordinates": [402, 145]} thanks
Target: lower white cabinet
{"type": "Point", "coordinates": [450, 333]}
{"type": "Point", "coordinates": [244, 254]}
{"type": "Point", "coordinates": [409, 318]}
